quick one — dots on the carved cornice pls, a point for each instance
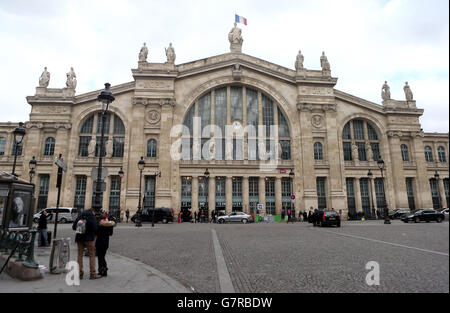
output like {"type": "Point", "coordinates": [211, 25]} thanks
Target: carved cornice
{"type": "Point", "coordinates": [309, 107]}
{"type": "Point", "coordinates": [37, 125]}
{"type": "Point", "coordinates": [393, 133]}
{"type": "Point", "coordinates": [154, 101]}
{"type": "Point", "coordinates": [415, 134]}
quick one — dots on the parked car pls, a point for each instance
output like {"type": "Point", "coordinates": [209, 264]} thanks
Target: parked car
{"type": "Point", "coordinates": [399, 213]}
{"type": "Point", "coordinates": [426, 215]}
{"type": "Point", "coordinates": [164, 215]}
{"type": "Point", "coordinates": [65, 215]}
{"type": "Point", "coordinates": [235, 217]}
{"type": "Point", "coordinates": [326, 218]}
{"type": "Point", "coordinates": [445, 212]}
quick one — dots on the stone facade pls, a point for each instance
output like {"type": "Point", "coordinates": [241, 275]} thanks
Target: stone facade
{"type": "Point", "coordinates": [160, 96]}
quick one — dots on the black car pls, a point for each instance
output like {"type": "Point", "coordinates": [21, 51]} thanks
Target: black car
{"type": "Point", "coordinates": [426, 215]}
{"type": "Point", "coordinates": [326, 218]}
{"type": "Point", "coordinates": [399, 213]}
{"type": "Point", "coordinates": [164, 215]}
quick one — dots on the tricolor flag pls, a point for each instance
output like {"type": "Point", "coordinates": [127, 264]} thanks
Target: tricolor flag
{"type": "Point", "coordinates": [240, 19]}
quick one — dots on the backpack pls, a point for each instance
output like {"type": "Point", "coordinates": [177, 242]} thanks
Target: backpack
{"type": "Point", "coordinates": [81, 226]}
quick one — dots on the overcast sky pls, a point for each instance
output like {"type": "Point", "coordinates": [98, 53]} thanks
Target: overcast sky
{"type": "Point", "coordinates": [366, 42]}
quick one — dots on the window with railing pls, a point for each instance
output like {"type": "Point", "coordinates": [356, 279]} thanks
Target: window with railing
{"type": "Point", "coordinates": [151, 148]}
{"type": "Point", "coordinates": [2, 145]}
{"type": "Point", "coordinates": [441, 154]}
{"type": "Point", "coordinates": [321, 193]}
{"type": "Point", "coordinates": [318, 151]}
{"type": "Point", "coordinates": [405, 153]}
{"type": "Point", "coordinates": [428, 154]}
{"type": "Point", "coordinates": [49, 147]}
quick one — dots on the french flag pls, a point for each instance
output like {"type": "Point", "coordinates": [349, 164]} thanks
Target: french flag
{"type": "Point", "coordinates": [240, 19]}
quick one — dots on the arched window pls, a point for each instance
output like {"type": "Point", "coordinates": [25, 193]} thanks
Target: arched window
{"type": "Point", "coordinates": [429, 154]}
{"type": "Point", "coordinates": [225, 105]}
{"type": "Point", "coordinates": [2, 145]}
{"type": "Point", "coordinates": [318, 151]}
{"type": "Point", "coordinates": [115, 133]}
{"type": "Point", "coordinates": [363, 135]}
{"type": "Point", "coordinates": [151, 148]}
{"type": "Point", "coordinates": [441, 154]}
{"type": "Point", "coordinates": [49, 147]}
{"type": "Point", "coordinates": [405, 153]}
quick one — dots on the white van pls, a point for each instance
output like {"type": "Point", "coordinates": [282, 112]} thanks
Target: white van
{"type": "Point", "coordinates": [65, 215]}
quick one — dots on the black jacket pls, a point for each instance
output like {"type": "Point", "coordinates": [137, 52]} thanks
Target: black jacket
{"type": "Point", "coordinates": [43, 221]}
{"type": "Point", "coordinates": [91, 227]}
{"type": "Point", "coordinates": [103, 233]}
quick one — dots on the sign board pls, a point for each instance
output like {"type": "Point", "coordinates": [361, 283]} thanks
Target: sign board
{"type": "Point", "coordinates": [260, 206]}
{"type": "Point", "coordinates": [102, 186]}
{"type": "Point", "coordinates": [94, 173]}
{"type": "Point", "coordinates": [282, 171]}
{"type": "Point", "coordinates": [293, 197]}
{"type": "Point", "coordinates": [61, 164]}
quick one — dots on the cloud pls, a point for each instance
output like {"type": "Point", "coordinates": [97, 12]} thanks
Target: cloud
{"type": "Point", "coordinates": [366, 42]}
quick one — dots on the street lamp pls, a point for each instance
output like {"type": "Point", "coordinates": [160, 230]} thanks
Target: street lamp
{"type": "Point", "coordinates": [153, 211]}
{"type": "Point", "coordinates": [436, 176]}
{"type": "Point", "coordinates": [105, 98]}
{"type": "Point", "coordinates": [141, 165]}
{"type": "Point", "coordinates": [369, 174]}
{"type": "Point", "coordinates": [19, 133]}
{"type": "Point", "coordinates": [381, 165]}
{"type": "Point", "coordinates": [207, 193]}
{"type": "Point", "coordinates": [32, 165]}
{"type": "Point", "coordinates": [121, 173]}
{"type": "Point", "coordinates": [291, 176]}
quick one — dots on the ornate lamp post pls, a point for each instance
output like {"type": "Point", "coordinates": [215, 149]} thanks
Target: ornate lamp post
{"type": "Point", "coordinates": [436, 177]}
{"type": "Point", "coordinates": [141, 165]}
{"type": "Point", "coordinates": [369, 174]}
{"type": "Point", "coordinates": [380, 164]}
{"type": "Point", "coordinates": [32, 165]}
{"type": "Point", "coordinates": [291, 176]}
{"type": "Point", "coordinates": [207, 193]}
{"type": "Point", "coordinates": [153, 211]}
{"type": "Point", "coordinates": [121, 173]}
{"type": "Point", "coordinates": [105, 98]}
{"type": "Point", "coordinates": [19, 133]}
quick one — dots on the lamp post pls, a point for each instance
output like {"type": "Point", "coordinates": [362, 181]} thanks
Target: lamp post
{"type": "Point", "coordinates": [207, 193]}
{"type": "Point", "coordinates": [19, 133]}
{"type": "Point", "coordinates": [105, 98]}
{"type": "Point", "coordinates": [381, 165]}
{"type": "Point", "coordinates": [32, 165]}
{"type": "Point", "coordinates": [436, 177]}
{"type": "Point", "coordinates": [369, 174]}
{"type": "Point", "coordinates": [141, 165]}
{"type": "Point", "coordinates": [153, 211]}
{"type": "Point", "coordinates": [291, 176]}
{"type": "Point", "coordinates": [121, 173]}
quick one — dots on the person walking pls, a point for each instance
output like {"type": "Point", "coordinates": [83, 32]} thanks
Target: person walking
{"type": "Point", "coordinates": [42, 230]}
{"type": "Point", "coordinates": [127, 214]}
{"type": "Point", "coordinates": [85, 226]}
{"type": "Point", "coordinates": [305, 216]}
{"type": "Point", "coordinates": [195, 217]}
{"type": "Point", "coordinates": [105, 230]}
{"type": "Point", "coordinates": [282, 215]}
{"type": "Point", "coordinates": [288, 216]}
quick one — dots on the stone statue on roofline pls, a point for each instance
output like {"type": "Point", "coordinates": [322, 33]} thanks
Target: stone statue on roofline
{"type": "Point", "coordinates": [44, 80]}
{"type": "Point", "coordinates": [299, 61]}
{"type": "Point", "coordinates": [408, 92]}
{"type": "Point", "coordinates": [235, 38]}
{"type": "Point", "coordinates": [385, 91]}
{"type": "Point", "coordinates": [143, 53]}
{"type": "Point", "coordinates": [324, 62]}
{"type": "Point", "coordinates": [91, 147]}
{"type": "Point", "coordinates": [170, 54]}
{"type": "Point", "coordinates": [71, 81]}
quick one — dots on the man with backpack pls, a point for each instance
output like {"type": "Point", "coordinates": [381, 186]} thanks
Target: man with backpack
{"type": "Point", "coordinates": [86, 227]}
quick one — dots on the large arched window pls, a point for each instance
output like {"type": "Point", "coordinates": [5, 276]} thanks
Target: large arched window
{"type": "Point", "coordinates": [151, 148]}
{"type": "Point", "coordinates": [49, 147]}
{"type": "Point", "coordinates": [441, 154]}
{"type": "Point", "coordinates": [243, 109]}
{"type": "Point", "coordinates": [428, 154]}
{"type": "Point", "coordinates": [114, 133]}
{"type": "Point", "coordinates": [363, 135]}
{"type": "Point", "coordinates": [405, 153]}
{"type": "Point", "coordinates": [318, 151]}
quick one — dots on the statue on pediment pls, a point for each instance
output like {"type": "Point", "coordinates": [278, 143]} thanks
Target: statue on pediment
{"type": "Point", "coordinates": [109, 148]}
{"type": "Point", "coordinates": [385, 91]}
{"type": "Point", "coordinates": [71, 81]}
{"type": "Point", "coordinates": [170, 54]}
{"type": "Point", "coordinates": [408, 92]}
{"type": "Point", "coordinates": [324, 62]}
{"type": "Point", "coordinates": [143, 53]}
{"type": "Point", "coordinates": [235, 38]}
{"type": "Point", "coordinates": [369, 152]}
{"type": "Point", "coordinates": [299, 61]}
{"type": "Point", "coordinates": [355, 152]}
{"type": "Point", "coordinates": [44, 80]}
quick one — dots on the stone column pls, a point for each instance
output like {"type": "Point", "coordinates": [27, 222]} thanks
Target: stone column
{"type": "Point", "coordinates": [398, 177]}
{"type": "Point", "coordinates": [262, 192]}
{"type": "Point", "coordinates": [278, 196]}
{"type": "Point", "coordinates": [423, 185]}
{"type": "Point", "coordinates": [194, 194]}
{"type": "Point", "coordinates": [229, 195]}
{"type": "Point", "coordinates": [212, 193]}
{"type": "Point", "coordinates": [442, 192]}
{"type": "Point", "coordinates": [88, 196]}
{"type": "Point", "coordinates": [358, 201]}
{"type": "Point", "coordinates": [245, 195]}
{"type": "Point", "coordinates": [106, 193]}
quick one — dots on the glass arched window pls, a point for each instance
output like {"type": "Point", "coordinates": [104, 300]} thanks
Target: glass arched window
{"type": "Point", "coordinates": [428, 154]}
{"type": "Point", "coordinates": [318, 151]}
{"type": "Point", "coordinates": [49, 147]}
{"type": "Point", "coordinates": [2, 145]}
{"type": "Point", "coordinates": [363, 135]}
{"type": "Point", "coordinates": [115, 133]}
{"type": "Point", "coordinates": [151, 148]}
{"type": "Point", "coordinates": [405, 153]}
{"type": "Point", "coordinates": [441, 154]}
{"type": "Point", "coordinates": [224, 106]}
